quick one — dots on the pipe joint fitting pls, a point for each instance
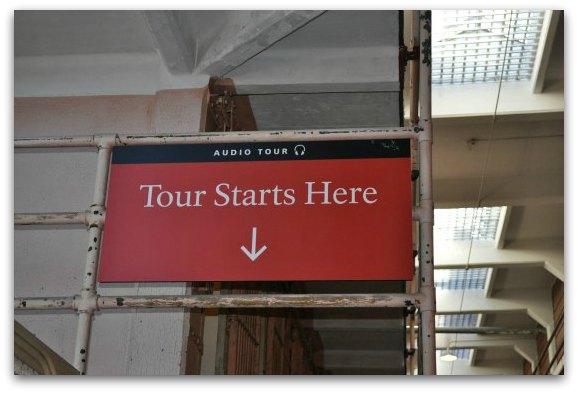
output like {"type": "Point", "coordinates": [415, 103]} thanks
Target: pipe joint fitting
{"type": "Point", "coordinates": [95, 216]}
{"type": "Point", "coordinates": [107, 141]}
{"type": "Point", "coordinates": [428, 299]}
{"type": "Point", "coordinates": [85, 303]}
{"type": "Point", "coordinates": [426, 134]}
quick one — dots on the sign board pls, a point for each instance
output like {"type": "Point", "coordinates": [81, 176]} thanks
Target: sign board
{"type": "Point", "coordinates": [322, 210]}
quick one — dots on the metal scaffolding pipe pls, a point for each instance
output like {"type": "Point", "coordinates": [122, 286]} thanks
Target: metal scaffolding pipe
{"type": "Point", "coordinates": [88, 218]}
{"type": "Point", "coordinates": [67, 218]}
{"type": "Point", "coordinates": [86, 304]}
{"type": "Point", "coordinates": [426, 252]}
{"type": "Point", "coordinates": [63, 141]}
{"type": "Point", "coordinates": [399, 300]}
{"type": "Point", "coordinates": [45, 303]}
{"type": "Point", "coordinates": [221, 137]}
{"type": "Point", "coordinates": [274, 136]}
{"type": "Point", "coordinates": [488, 330]}
{"type": "Point", "coordinates": [262, 300]}
{"type": "Point", "coordinates": [413, 69]}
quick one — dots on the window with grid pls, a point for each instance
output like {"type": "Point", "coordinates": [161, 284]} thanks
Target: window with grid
{"type": "Point", "coordinates": [461, 353]}
{"type": "Point", "coordinates": [484, 45]}
{"type": "Point", "coordinates": [467, 223]}
{"type": "Point", "coordinates": [457, 320]}
{"type": "Point", "coordinates": [460, 278]}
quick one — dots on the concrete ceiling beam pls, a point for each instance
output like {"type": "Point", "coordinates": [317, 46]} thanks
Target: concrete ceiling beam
{"type": "Point", "coordinates": [503, 227]}
{"type": "Point", "coordinates": [524, 346]}
{"type": "Point", "coordinates": [535, 302]}
{"type": "Point", "coordinates": [247, 36]}
{"type": "Point", "coordinates": [490, 281]}
{"type": "Point", "coordinates": [467, 341]}
{"type": "Point", "coordinates": [542, 60]}
{"type": "Point", "coordinates": [177, 53]}
{"type": "Point", "coordinates": [530, 189]}
{"type": "Point", "coordinates": [548, 253]}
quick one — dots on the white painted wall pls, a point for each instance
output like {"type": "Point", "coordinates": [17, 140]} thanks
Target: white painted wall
{"type": "Point", "coordinates": [480, 99]}
{"type": "Point", "coordinates": [49, 261]}
{"type": "Point", "coordinates": [97, 74]}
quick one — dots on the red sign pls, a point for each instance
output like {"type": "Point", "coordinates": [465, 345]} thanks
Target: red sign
{"type": "Point", "coordinates": [259, 212]}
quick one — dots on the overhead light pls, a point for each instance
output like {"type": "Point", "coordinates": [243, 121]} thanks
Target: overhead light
{"type": "Point", "coordinates": [447, 356]}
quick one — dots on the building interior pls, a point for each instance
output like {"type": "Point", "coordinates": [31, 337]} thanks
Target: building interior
{"type": "Point", "coordinates": [498, 181]}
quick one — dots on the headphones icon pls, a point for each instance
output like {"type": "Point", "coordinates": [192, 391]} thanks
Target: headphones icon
{"type": "Point", "coordinates": [299, 150]}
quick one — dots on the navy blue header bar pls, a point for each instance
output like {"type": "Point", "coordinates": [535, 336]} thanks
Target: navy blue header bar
{"type": "Point", "coordinates": [262, 151]}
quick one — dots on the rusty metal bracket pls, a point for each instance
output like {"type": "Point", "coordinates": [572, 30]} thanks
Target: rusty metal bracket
{"type": "Point", "coordinates": [228, 111]}
{"type": "Point", "coordinates": [406, 55]}
{"type": "Point", "coordinates": [222, 108]}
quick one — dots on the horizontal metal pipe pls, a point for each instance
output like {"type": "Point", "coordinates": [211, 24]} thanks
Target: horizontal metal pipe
{"type": "Point", "coordinates": [51, 218]}
{"type": "Point", "coordinates": [273, 136]}
{"type": "Point", "coordinates": [45, 303]}
{"type": "Point", "coordinates": [71, 141]}
{"type": "Point", "coordinates": [473, 141]}
{"type": "Point", "coordinates": [228, 301]}
{"type": "Point", "coordinates": [262, 301]}
{"type": "Point", "coordinates": [85, 218]}
{"type": "Point", "coordinates": [217, 137]}
{"type": "Point", "coordinates": [488, 330]}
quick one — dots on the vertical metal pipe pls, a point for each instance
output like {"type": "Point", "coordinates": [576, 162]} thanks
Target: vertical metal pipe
{"type": "Point", "coordinates": [411, 362]}
{"type": "Point", "coordinates": [426, 262]}
{"type": "Point", "coordinates": [87, 299]}
{"type": "Point", "coordinates": [413, 68]}
{"type": "Point", "coordinates": [82, 340]}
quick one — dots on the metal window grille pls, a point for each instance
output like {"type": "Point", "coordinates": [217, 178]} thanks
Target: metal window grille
{"type": "Point", "coordinates": [457, 320]}
{"type": "Point", "coordinates": [467, 223]}
{"type": "Point", "coordinates": [453, 279]}
{"type": "Point", "coordinates": [471, 46]}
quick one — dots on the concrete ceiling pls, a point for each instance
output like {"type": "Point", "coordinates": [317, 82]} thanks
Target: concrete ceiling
{"type": "Point", "coordinates": [492, 355]}
{"type": "Point", "coordinates": [49, 33]}
{"type": "Point", "coordinates": [523, 278]}
{"type": "Point", "coordinates": [335, 69]}
{"type": "Point", "coordinates": [514, 160]}
{"type": "Point", "coordinates": [509, 320]}
{"type": "Point", "coordinates": [536, 222]}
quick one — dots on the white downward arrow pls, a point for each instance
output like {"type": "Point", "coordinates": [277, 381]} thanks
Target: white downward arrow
{"type": "Point", "coordinates": [254, 254]}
